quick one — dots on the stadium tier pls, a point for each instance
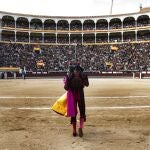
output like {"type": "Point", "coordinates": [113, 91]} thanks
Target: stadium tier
{"type": "Point", "coordinates": [121, 57]}
{"type": "Point", "coordinates": [68, 30]}
{"type": "Point", "coordinates": [98, 43]}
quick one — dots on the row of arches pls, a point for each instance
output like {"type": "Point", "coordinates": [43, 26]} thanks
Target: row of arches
{"type": "Point", "coordinates": [74, 38]}
{"type": "Point", "coordinates": [50, 24]}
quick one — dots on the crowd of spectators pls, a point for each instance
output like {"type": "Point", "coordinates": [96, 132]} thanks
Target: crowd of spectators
{"type": "Point", "coordinates": [102, 26]}
{"type": "Point", "coordinates": [74, 27]}
{"type": "Point", "coordinates": [49, 27]}
{"type": "Point", "coordinates": [22, 24]}
{"type": "Point", "coordinates": [129, 24]}
{"type": "Point", "coordinates": [89, 27]}
{"type": "Point", "coordinates": [125, 57]}
{"type": "Point", "coordinates": [8, 23]}
{"type": "Point", "coordinates": [115, 26]}
{"type": "Point", "coordinates": [143, 23]}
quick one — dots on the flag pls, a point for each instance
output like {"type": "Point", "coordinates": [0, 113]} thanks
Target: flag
{"type": "Point", "coordinates": [114, 48]}
{"type": "Point", "coordinates": [37, 49]}
{"type": "Point", "coordinates": [40, 63]}
{"type": "Point", "coordinates": [109, 64]}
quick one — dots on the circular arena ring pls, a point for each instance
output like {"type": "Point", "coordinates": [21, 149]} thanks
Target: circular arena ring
{"type": "Point", "coordinates": [118, 112]}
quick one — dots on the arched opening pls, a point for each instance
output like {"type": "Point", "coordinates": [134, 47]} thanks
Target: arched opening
{"type": "Point", "coordinates": [129, 22]}
{"type": "Point", "coordinates": [49, 38]}
{"type": "Point", "coordinates": [62, 25]}
{"type": "Point", "coordinates": [143, 35]}
{"type": "Point", "coordinates": [49, 25]}
{"type": "Point", "coordinates": [88, 38]}
{"type": "Point", "coordinates": [101, 38]}
{"type": "Point", "coordinates": [115, 37]}
{"type": "Point", "coordinates": [143, 20]}
{"type": "Point", "coordinates": [22, 36]}
{"type": "Point", "coordinates": [115, 23]}
{"type": "Point", "coordinates": [88, 25]}
{"type": "Point", "coordinates": [76, 38]}
{"type": "Point", "coordinates": [36, 24]}
{"type": "Point", "coordinates": [22, 23]}
{"type": "Point", "coordinates": [63, 38]}
{"type": "Point", "coordinates": [8, 21]}
{"type": "Point", "coordinates": [75, 25]}
{"type": "Point", "coordinates": [36, 37]}
{"type": "Point", "coordinates": [102, 24]}
{"type": "Point", "coordinates": [129, 36]}
{"type": "Point", "coordinates": [8, 36]}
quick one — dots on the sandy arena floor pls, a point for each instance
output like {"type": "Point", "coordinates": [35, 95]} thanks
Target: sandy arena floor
{"type": "Point", "coordinates": [118, 116]}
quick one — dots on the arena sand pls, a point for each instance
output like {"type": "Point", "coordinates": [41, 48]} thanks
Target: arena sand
{"type": "Point", "coordinates": [113, 121]}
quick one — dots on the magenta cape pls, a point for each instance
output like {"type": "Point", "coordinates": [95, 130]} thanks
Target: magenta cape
{"type": "Point", "coordinates": [71, 105]}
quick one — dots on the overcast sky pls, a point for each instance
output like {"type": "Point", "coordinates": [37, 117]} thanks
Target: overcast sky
{"type": "Point", "coordinates": [72, 7]}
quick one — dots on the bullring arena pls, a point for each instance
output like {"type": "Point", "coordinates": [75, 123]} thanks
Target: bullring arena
{"type": "Point", "coordinates": [118, 112]}
{"type": "Point", "coordinates": [115, 53]}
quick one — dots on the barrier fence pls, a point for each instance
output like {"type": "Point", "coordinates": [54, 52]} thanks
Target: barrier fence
{"type": "Point", "coordinates": [9, 74]}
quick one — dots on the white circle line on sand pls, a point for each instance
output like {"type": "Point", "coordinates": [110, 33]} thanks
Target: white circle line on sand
{"type": "Point", "coordinates": [90, 97]}
{"type": "Point", "coordinates": [88, 108]}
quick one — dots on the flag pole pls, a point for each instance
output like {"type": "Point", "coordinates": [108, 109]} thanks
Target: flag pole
{"type": "Point", "coordinates": [111, 7]}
